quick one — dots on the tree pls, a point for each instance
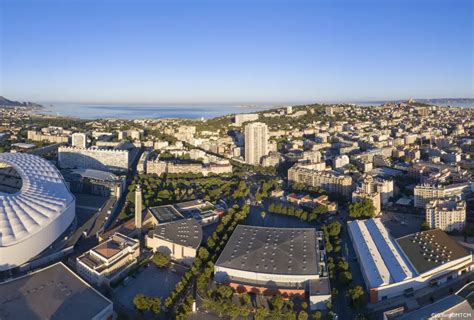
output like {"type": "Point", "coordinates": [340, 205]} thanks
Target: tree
{"type": "Point", "coordinates": [345, 277]}
{"type": "Point", "coordinates": [317, 315]}
{"type": "Point", "coordinates": [424, 226]}
{"type": "Point", "coordinates": [155, 305]}
{"type": "Point", "coordinates": [343, 265]}
{"type": "Point", "coordinates": [203, 253]}
{"type": "Point", "coordinates": [245, 299]}
{"type": "Point", "coordinates": [141, 303]}
{"type": "Point", "coordinates": [303, 315]}
{"type": "Point", "coordinates": [225, 292]}
{"type": "Point", "coordinates": [261, 313]}
{"type": "Point", "coordinates": [356, 296]}
{"type": "Point", "coordinates": [277, 302]}
{"type": "Point", "coordinates": [362, 209]}
{"type": "Point", "coordinates": [263, 214]}
{"type": "Point", "coordinates": [161, 259]}
{"type": "Point", "coordinates": [334, 228]}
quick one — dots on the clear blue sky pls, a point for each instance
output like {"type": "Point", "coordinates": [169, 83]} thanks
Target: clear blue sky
{"type": "Point", "coordinates": [235, 51]}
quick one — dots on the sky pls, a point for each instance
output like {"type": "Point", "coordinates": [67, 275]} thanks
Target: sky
{"type": "Point", "coordinates": [181, 52]}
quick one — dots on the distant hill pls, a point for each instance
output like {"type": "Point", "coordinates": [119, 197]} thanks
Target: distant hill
{"type": "Point", "coordinates": [4, 102]}
{"type": "Point", "coordinates": [453, 102]}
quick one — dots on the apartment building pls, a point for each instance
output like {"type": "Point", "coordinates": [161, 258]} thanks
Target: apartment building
{"type": "Point", "coordinates": [425, 193]}
{"type": "Point", "coordinates": [327, 180]}
{"type": "Point", "coordinates": [256, 140]}
{"type": "Point", "coordinates": [447, 215]}
{"type": "Point", "coordinates": [99, 159]}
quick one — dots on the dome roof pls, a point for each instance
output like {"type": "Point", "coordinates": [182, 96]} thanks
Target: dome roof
{"type": "Point", "coordinates": [43, 197]}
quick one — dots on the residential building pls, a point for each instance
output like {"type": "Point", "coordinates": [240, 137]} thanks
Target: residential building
{"type": "Point", "coordinates": [91, 158]}
{"type": "Point", "coordinates": [426, 192]}
{"type": "Point", "coordinates": [53, 138]}
{"type": "Point", "coordinates": [447, 215]}
{"type": "Point", "coordinates": [256, 139]}
{"type": "Point", "coordinates": [79, 140]}
{"type": "Point", "coordinates": [239, 119]}
{"type": "Point", "coordinates": [329, 181]}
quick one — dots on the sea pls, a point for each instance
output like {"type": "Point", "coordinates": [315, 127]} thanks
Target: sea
{"type": "Point", "coordinates": [137, 111]}
{"type": "Point", "coordinates": [106, 111]}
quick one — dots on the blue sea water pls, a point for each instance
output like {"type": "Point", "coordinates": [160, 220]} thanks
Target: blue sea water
{"type": "Point", "coordinates": [96, 111]}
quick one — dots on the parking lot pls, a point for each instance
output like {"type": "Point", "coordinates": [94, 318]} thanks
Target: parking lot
{"type": "Point", "coordinates": [150, 281]}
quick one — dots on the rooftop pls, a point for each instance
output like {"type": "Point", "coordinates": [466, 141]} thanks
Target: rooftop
{"type": "Point", "coordinates": [319, 286]}
{"type": "Point", "coordinates": [382, 259]}
{"type": "Point", "coordinates": [166, 213]}
{"type": "Point", "coordinates": [90, 174]}
{"type": "Point", "coordinates": [67, 296]}
{"type": "Point", "coordinates": [271, 250]}
{"type": "Point", "coordinates": [186, 232]}
{"type": "Point", "coordinates": [452, 303]}
{"type": "Point", "coordinates": [430, 249]}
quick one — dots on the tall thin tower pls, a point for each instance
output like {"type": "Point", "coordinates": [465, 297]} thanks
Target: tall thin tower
{"type": "Point", "coordinates": [256, 139]}
{"type": "Point", "coordinates": [138, 207]}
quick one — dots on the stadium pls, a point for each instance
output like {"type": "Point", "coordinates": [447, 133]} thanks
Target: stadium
{"type": "Point", "coordinates": [36, 207]}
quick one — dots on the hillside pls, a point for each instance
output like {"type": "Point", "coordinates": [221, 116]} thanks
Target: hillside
{"type": "Point", "coordinates": [4, 102]}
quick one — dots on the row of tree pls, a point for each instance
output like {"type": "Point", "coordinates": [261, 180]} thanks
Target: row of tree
{"type": "Point", "coordinates": [203, 264]}
{"type": "Point", "coordinates": [303, 214]}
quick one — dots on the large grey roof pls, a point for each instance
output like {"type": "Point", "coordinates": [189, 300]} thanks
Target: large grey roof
{"type": "Point", "coordinates": [51, 293]}
{"type": "Point", "coordinates": [271, 250]}
{"type": "Point", "coordinates": [41, 199]}
{"type": "Point", "coordinates": [186, 232]}
{"type": "Point", "coordinates": [452, 304]}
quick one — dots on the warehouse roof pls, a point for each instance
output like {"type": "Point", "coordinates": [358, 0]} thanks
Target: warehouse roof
{"type": "Point", "coordinates": [271, 250]}
{"type": "Point", "coordinates": [452, 304]}
{"type": "Point", "coordinates": [51, 293]}
{"type": "Point", "coordinates": [382, 260]}
{"type": "Point", "coordinates": [430, 249]}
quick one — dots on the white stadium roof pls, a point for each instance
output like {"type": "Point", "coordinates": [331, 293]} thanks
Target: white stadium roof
{"type": "Point", "coordinates": [382, 260]}
{"type": "Point", "coordinates": [37, 214]}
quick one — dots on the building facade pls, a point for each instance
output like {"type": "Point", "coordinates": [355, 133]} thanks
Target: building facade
{"type": "Point", "coordinates": [256, 140]}
{"type": "Point", "coordinates": [328, 181]}
{"type": "Point", "coordinates": [425, 193]}
{"type": "Point", "coordinates": [180, 239]}
{"type": "Point", "coordinates": [38, 136]}
{"type": "Point", "coordinates": [99, 159]}
{"type": "Point", "coordinates": [79, 140]}
{"type": "Point", "coordinates": [109, 260]}
{"type": "Point", "coordinates": [447, 215]}
{"type": "Point", "coordinates": [244, 117]}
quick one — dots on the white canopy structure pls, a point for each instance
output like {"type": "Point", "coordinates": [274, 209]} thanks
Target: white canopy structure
{"type": "Point", "coordinates": [34, 216]}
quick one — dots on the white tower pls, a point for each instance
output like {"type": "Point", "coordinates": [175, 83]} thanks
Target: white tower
{"type": "Point", "coordinates": [256, 139]}
{"type": "Point", "coordinates": [138, 207]}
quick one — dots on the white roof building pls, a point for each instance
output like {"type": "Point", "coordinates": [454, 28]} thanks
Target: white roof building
{"type": "Point", "coordinates": [34, 211]}
{"type": "Point", "coordinates": [393, 267]}
{"type": "Point", "coordinates": [380, 256]}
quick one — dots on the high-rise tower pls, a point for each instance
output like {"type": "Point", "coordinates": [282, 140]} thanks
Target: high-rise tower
{"type": "Point", "coordinates": [256, 139]}
{"type": "Point", "coordinates": [138, 207]}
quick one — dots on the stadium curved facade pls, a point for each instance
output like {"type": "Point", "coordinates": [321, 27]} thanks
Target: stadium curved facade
{"type": "Point", "coordinates": [33, 216]}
